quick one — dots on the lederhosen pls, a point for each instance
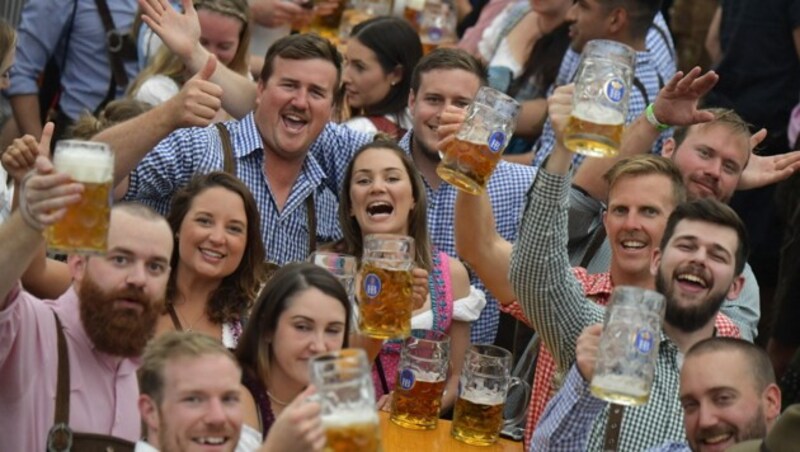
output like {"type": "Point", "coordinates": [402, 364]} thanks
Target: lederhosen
{"type": "Point", "coordinates": [61, 438]}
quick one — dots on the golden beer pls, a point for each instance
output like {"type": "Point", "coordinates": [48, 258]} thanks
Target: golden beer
{"type": "Point", "coordinates": [620, 389]}
{"type": "Point", "coordinates": [417, 407]}
{"type": "Point", "coordinates": [477, 419]}
{"type": "Point", "coordinates": [348, 433]}
{"type": "Point", "coordinates": [594, 130]}
{"type": "Point", "coordinates": [467, 165]}
{"type": "Point", "coordinates": [385, 302]}
{"type": "Point", "coordinates": [84, 228]}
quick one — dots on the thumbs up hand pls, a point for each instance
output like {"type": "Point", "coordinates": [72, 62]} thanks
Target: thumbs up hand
{"type": "Point", "coordinates": [198, 101]}
{"type": "Point", "coordinates": [20, 156]}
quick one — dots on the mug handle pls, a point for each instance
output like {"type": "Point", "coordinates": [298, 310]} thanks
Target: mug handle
{"type": "Point", "coordinates": [527, 396]}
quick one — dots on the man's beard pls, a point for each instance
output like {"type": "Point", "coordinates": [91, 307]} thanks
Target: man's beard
{"type": "Point", "coordinates": [424, 151]}
{"type": "Point", "coordinates": [691, 318]}
{"type": "Point", "coordinates": [117, 331]}
{"type": "Point", "coordinates": [755, 429]}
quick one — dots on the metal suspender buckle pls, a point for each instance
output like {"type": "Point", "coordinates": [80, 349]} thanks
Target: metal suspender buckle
{"type": "Point", "coordinates": [59, 438]}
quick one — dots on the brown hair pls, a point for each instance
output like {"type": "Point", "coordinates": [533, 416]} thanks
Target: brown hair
{"type": "Point", "coordinates": [253, 351]}
{"type": "Point", "coordinates": [417, 221]}
{"type": "Point", "coordinates": [711, 211]}
{"type": "Point", "coordinates": [445, 59]}
{"type": "Point", "coordinates": [757, 360]}
{"type": "Point", "coordinates": [8, 39]}
{"type": "Point", "coordinates": [117, 111]}
{"type": "Point", "coordinates": [723, 117]}
{"type": "Point", "coordinates": [236, 291]}
{"type": "Point", "coordinates": [303, 46]}
{"type": "Point", "coordinates": [170, 346]}
{"type": "Point", "coordinates": [645, 165]}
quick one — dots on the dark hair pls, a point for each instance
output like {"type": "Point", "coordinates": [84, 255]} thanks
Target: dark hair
{"type": "Point", "coordinates": [395, 44]}
{"type": "Point", "coordinates": [417, 222]}
{"type": "Point", "coordinates": [253, 352]}
{"type": "Point", "coordinates": [304, 46]}
{"type": "Point", "coordinates": [645, 165]}
{"type": "Point", "coordinates": [710, 211]}
{"type": "Point", "coordinates": [541, 67]}
{"type": "Point", "coordinates": [87, 125]}
{"type": "Point", "coordinates": [640, 14]}
{"type": "Point", "coordinates": [758, 362]}
{"type": "Point", "coordinates": [447, 58]}
{"type": "Point", "coordinates": [237, 290]}
{"type": "Point", "coordinates": [170, 346]}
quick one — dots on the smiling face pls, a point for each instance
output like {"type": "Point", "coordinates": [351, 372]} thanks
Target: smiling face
{"type": "Point", "coordinates": [294, 104]}
{"type": "Point", "coordinates": [381, 194]}
{"type": "Point", "coordinates": [696, 272]}
{"type": "Point", "coordinates": [638, 208]}
{"type": "Point", "coordinates": [213, 234]}
{"type": "Point", "coordinates": [312, 323]}
{"type": "Point", "coordinates": [438, 88]}
{"type": "Point", "coordinates": [722, 404]}
{"type": "Point", "coordinates": [711, 159]}
{"type": "Point", "coordinates": [219, 34]}
{"type": "Point", "coordinates": [200, 408]}
{"type": "Point", "coordinates": [366, 84]}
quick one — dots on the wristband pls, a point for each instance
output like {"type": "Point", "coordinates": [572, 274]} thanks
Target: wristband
{"type": "Point", "coordinates": [651, 118]}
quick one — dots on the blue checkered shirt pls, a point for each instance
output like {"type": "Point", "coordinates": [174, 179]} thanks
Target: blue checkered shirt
{"type": "Point", "coordinates": [568, 418]}
{"type": "Point", "coordinates": [507, 188]}
{"type": "Point", "coordinates": [187, 152]}
{"type": "Point", "coordinates": [654, 68]}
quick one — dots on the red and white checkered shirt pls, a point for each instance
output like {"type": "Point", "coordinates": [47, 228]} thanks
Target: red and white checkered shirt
{"type": "Point", "coordinates": [596, 287]}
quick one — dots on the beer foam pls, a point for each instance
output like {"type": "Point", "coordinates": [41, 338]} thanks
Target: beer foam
{"type": "Point", "coordinates": [483, 397]}
{"type": "Point", "coordinates": [85, 165]}
{"type": "Point", "coordinates": [347, 418]}
{"type": "Point", "coordinates": [598, 114]}
{"type": "Point", "coordinates": [621, 384]}
{"type": "Point", "coordinates": [428, 377]}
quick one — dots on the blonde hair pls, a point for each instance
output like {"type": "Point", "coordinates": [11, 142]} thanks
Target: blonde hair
{"type": "Point", "coordinates": [88, 125]}
{"type": "Point", "coordinates": [8, 39]}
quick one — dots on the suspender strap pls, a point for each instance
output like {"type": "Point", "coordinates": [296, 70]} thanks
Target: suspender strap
{"type": "Point", "coordinates": [381, 374]}
{"type": "Point", "coordinates": [228, 160]}
{"type": "Point", "coordinates": [613, 427]}
{"type": "Point", "coordinates": [59, 438]}
{"type": "Point", "coordinates": [113, 43]}
{"type": "Point", "coordinates": [174, 317]}
{"type": "Point", "coordinates": [311, 212]}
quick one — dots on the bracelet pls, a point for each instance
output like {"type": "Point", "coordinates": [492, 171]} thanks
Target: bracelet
{"type": "Point", "coordinates": [25, 208]}
{"type": "Point", "coordinates": [651, 118]}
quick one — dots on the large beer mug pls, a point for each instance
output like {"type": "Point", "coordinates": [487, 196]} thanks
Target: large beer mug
{"type": "Point", "coordinates": [626, 356]}
{"type": "Point", "coordinates": [600, 102]}
{"type": "Point", "coordinates": [437, 25]}
{"type": "Point", "coordinates": [84, 228]}
{"type": "Point", "coordinates": [385, 288]}
{"type": "Point", "coordinates": [421, 378]}
{"type": "Point", "coordinates": [469, 159]}
{"type": "Point", "coordinates": [347, 398]}
{"type": "Point", "coordinates": [483, 387]}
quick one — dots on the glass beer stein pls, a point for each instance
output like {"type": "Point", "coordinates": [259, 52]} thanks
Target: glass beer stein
{"type": "Point", "coordinates": [626, 356]}
{"type": "Point", "coordinates": [345, 392]}
{"type": "Point", "coordinates": [84, 229]}
{"type": "Point", "coordinates": [470, 158]}
{"type": "Point", "coordinates": [437, 25]}
{"type": "Point", "coordinates": [421, 378]}
{"type": "Point", "coordinates": [600, 102]}
{"type": "Point", "coordinates": [385, 286]}
{"type": "Point", "coordinates": [344, 268]}
{"type": "Point", "coordinates": [483, 387]}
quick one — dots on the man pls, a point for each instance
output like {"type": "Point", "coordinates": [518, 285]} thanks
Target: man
{"type": "Point", "coordinates": [702, 270]}
{"type": "Point", "coordinates": [107, 316]}
{"type": "Point", "coordinates": [727, 394]}
{"type": "Point", "coordinates": [73, 35]}
{"type": "Point", "coordinates": [624, 21]}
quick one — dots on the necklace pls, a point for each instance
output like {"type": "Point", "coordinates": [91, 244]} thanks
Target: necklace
{"type": "Point", "coordinates": [182, 320]}
{"type": "Point", "coordinates": [276, 400]}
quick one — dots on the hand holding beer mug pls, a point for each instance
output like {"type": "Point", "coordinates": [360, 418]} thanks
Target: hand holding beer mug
{"type": "Point", "coordinates": [469, 159]}
{"type": "Point", "coordinates": [84, 228]}
{"type": "Point", "coordinates": [626, 356]}
{"type": "Point", "coordinates": [385, 293]}
{"type": "Point", "coordinates": [347, 396]}
{"type": "Point", "coordinates": [600, 104]}
{"type": "Point", "coordinates": [483, 387]}
{"type": "Point", "coordinates": [422, 375]}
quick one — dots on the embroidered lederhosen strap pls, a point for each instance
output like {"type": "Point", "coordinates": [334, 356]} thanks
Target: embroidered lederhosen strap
{"type": "Point", "coordinates": [613, 427]}
{"type": "Point", "coordinates": [61, 438]}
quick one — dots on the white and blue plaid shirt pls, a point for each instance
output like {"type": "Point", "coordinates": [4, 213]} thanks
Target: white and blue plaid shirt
{"type": "Point", "coordinates": [507, 188]}
{"type": "Point", "coordinates": [654, 68]}
{"type": "Point", "coordinates": [187, 152]}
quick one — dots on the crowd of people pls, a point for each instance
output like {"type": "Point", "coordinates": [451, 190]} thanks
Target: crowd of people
{"type": "Point", "coordinates": [196, 326]}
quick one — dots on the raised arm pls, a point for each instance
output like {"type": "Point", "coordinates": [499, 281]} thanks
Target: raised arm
{"type": "Point", "coordinates": [180, 32]}
{"type": "Point", "coordinates": [675, 105]}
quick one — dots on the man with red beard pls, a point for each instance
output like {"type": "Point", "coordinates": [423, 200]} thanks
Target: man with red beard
{"type": "Point", "coordinates": [106, 318]}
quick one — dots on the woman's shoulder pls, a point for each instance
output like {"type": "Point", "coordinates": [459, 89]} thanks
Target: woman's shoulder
{"type": "Point", "coordinates": [361, 124]}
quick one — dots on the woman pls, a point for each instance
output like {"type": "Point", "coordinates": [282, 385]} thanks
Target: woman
{"type": "Point", "coordinates": [8, 40]}
{"type": "Point", "coordinates": [302, 311]}
{"type": "Point", "coordinates": [381, 55]}
{"type": "Point", "coordinates": [383, 193]}
{"type": "Point", "coordinates": [224, 31]}
{"type": "Point", "coordinates": [217, 260]}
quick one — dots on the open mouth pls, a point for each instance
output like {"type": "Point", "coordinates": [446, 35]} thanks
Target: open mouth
{"type": "Point", "coordinates": [211, 440]}
{"type": "Point", "coordinates": [714, 442]}
{"type": "Point", "coordinates": [294, 121]}
{"type": "Point", "coordinates": [633, 244]}
{"type": "Point", "coordinates": [211, 253]}
{"type": "Point", "coordinates": [692, 280]}
{"type": "Point", "coordinates": [379, 209]}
